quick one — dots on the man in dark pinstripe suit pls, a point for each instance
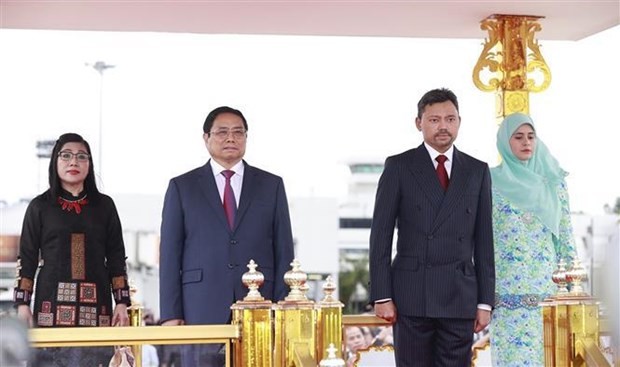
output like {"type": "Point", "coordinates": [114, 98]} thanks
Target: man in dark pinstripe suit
{"type": "Point", "coordinates": [439, 288]}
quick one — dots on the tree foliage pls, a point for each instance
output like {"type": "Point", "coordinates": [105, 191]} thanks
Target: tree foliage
{"type": "Point", "coordinates": [354, 272]}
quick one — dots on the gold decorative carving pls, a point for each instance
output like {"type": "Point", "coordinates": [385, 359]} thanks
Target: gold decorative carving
{"type": "Point", "coordinates": [511, 63]}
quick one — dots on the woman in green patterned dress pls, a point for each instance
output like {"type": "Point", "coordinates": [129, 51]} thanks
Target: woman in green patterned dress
{"type": "Point", "coordinates": [532, 231]}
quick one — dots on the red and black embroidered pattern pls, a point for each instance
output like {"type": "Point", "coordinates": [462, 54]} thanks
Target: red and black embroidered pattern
{"type": "Point", "coordinates": [78, 256]}
{"type": "Point", "coordinates": [70, 205]}
{"type": "Point", "coordinates": [45, 316]}
{"type": "Point", "coordinates": [23, 286]}
{"type": "Point", "coordinates": [120, 289]}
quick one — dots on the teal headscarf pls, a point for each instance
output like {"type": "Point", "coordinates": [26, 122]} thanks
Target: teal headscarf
{"type": "Point", "coordinates": [530, 185]}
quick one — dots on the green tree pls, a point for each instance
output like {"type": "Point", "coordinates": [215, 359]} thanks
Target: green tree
{"type": "Point", "coordinates": [353, 272]}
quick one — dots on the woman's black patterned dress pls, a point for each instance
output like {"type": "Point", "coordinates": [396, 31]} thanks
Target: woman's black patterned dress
{"type": "Point", "coordinates": [77, 244]}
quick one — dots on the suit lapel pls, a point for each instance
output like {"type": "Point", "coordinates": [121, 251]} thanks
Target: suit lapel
{"type": "Point", "coordinates": [209, 189]}
{"type": "Point", "coordinates": [247, 192]}
{"type": "Point", "coordinates": [424, 172]}
{"type": "Point", "coordinates": [458, 183]}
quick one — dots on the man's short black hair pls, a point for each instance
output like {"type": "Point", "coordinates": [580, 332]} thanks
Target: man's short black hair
{"type": "Point", "coordinates": [216, 112]}
{"type": "Point", "coordinates": [436, 96]}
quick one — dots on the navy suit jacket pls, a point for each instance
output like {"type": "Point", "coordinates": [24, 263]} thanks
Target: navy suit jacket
{"type": "Point", "coordinates": [444, 264]}
{"type": "Point", "coordinates": [202, 259]}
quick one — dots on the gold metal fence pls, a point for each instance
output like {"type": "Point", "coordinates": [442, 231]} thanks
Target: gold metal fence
{"type": "Point", "coordinates": [130, 335]}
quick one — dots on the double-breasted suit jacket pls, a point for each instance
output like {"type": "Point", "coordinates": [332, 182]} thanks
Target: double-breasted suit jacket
{"type": "Point", "coordinates": [444, 265]}
{"type": "Point", "coordinates": [202, 259]}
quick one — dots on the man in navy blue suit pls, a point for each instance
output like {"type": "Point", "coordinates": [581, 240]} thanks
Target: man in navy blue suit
{"type": "Point", "coordinates": [205, 247]}
{"type": "Point", "coordinates": [439, 288]}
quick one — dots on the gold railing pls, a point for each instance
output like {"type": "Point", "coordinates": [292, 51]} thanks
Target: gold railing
{"type": "Point", "coordinates": [160, 335]}
{"type": "Point", "coordinates": [304, 330]}
{"type": "Point", "coordinates": [592, 355]}
{"type": "Point", "coordinates": [221, 334]}
{"type": "Point", "coordinates": [363, 320]}
{"type": "Point", "coordinates": [129, 335]}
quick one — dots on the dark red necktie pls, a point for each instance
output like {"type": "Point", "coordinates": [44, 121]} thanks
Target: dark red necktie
{"type": "Point", "coordinates": [230, 204]}
{"type": "Point", "coordinates": [442, 174]}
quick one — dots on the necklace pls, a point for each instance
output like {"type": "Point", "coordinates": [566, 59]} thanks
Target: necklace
{"type": "Point", "coordinates": [70, 205]}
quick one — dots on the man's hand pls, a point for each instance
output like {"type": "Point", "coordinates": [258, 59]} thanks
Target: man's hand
{"type": "Point", "coordinates": [483, 319]}
{"type": "Point", "coordinates": [386, 311]}
{"type": "Point", "coordinates": [173, 322]}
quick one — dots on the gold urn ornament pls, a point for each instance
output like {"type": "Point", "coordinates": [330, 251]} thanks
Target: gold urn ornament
{"type": "Point", "coordinates": [576, 275]}
{"type": "Point", "coordinates": [559, 278]}
{"type": "Point", "coordinates": [253, 279]}
{"type": "Point", "coordinates": [296, 280]}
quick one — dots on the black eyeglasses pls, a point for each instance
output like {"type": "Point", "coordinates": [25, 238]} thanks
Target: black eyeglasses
{"type": "Point", "coordinates": [68, 156]}
{"type": "Point", "coordinates": [222, 134]}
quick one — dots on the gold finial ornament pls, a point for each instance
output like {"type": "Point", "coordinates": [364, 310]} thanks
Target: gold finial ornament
{"type": "Point", "coordinates": [576, 275]}
{"type": "Point", "coordinates": [253, 279]}
{"type": "Point", "coordinates": [332, 360]}
{"type": "Point", "coordinates": [559, 278]}
{"type": "Point", "coordinates": [511, 63]}
{"type": "Point", "coordinates": [296, 280]}
{"type": "Point", "coordinates": [329, 287]}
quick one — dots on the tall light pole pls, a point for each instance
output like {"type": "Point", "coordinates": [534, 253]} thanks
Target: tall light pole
{"type": "Point", "coordinates": [100, 66]}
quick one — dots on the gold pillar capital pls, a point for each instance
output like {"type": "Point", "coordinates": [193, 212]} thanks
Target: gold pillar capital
{"type": "Point", "coordinates": [511, 64]}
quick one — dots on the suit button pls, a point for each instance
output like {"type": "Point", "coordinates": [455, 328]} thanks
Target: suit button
{"type": "Point", "coordinates": [468, 211]}
{"type": "Point", "coordinates": [233, 242]}
{"type": "Point", "coordinates": [428, 266]}
{"type": "Point", "coordinates": [230, 266]}
{"type": "Point", "coordinates": [430, 237]}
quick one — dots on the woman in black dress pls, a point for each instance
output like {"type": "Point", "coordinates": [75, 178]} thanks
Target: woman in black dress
{"type": "Point", "coordinates": [72, 234]}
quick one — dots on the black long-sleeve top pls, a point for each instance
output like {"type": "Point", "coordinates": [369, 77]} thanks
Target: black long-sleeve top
{"type": "Point", "coordinates": [77, 244]}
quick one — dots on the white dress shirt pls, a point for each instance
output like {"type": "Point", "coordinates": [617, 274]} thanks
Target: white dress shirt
{"type": "Point", "coordinates": [236, 181]}
{"type": "Point", "coordinates": [449, 153]}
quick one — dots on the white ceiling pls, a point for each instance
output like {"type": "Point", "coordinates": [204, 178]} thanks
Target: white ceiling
{"type": "Point", "coordinates": [564, 20]}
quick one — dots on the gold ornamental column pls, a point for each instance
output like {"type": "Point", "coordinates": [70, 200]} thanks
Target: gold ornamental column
{"type": "Point", "coordinates": [570, 319]}
{"type": "Point", "coordinates": [295, 339]}
{"type": "Point", "coordinates": [135, 319]}
{"type": "Point", "coordinates": [329, 322]}
{"type": "Point", "coordinates": [253, 314]}
{"type": "Point", "coordinates": [511, 64]}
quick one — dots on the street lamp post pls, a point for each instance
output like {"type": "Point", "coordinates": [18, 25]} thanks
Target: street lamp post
{"type": "Point", "coordinates": [100, 66]}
